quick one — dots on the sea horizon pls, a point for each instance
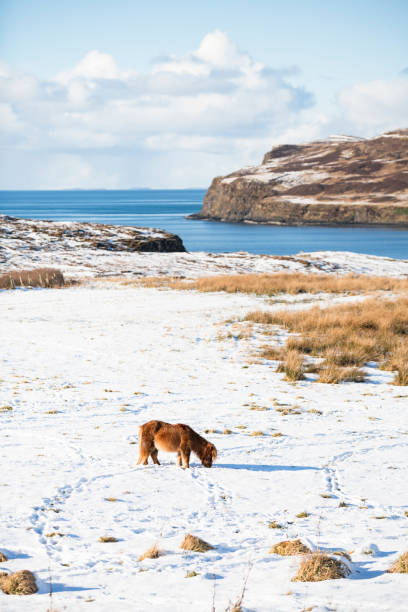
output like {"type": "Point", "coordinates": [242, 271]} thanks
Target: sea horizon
{"type": "Point", "coordinates": [168, 209]}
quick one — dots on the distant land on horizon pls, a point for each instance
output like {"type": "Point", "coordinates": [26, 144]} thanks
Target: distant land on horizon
{"type": "Point", "coordinates": [116, 189]}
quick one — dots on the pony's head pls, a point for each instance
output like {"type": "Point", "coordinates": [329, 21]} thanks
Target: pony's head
{"type": "Point", "coordinates": [209, 455]}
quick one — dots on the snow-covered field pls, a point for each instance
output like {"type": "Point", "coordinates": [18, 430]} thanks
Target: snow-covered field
{"type": "Point", "coordinates": [83, 367]}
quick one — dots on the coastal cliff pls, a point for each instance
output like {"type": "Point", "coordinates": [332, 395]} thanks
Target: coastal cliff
{"type": "Point", "coordinates": [339, 181]}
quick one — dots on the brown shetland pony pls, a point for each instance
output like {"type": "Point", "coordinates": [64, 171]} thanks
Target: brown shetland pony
{"type": "Point", "coordinates": [180, 439]}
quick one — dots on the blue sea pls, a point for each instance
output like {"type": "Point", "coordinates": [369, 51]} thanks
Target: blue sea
{"type": "Point", "coordinates": [166, 209]}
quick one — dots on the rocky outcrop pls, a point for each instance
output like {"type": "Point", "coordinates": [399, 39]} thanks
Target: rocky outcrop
{"type": "Point", "coordinates": [60, 235]}
{"type": "Point", "coordinates": [339, 181]}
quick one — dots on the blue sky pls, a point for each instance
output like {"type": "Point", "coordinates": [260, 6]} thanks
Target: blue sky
{"type": "Point", "coordinates": [169, 94]}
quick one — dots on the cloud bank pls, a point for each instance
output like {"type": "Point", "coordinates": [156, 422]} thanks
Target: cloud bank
{"type": "Point", "coordinates": [186, 120]}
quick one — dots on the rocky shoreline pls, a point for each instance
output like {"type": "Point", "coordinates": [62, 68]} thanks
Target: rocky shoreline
{"type": "Point", "coordinates": [341, 181]}
{"type": "Point", "coordinates": [35, 235]}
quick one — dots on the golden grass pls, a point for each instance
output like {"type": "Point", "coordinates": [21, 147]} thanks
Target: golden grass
{"type": "Point", "coordinates": [42, 277]}
{"type": "Point", "coordinates": [288, 548]}
{"type": "Point", "coordinates": [347, 336]}
{"type": "Point", "coordinates": [107, 539]}
{"type": "Point", "coordinates": [318, 566]}
{"type": "Point", "coordinates": [342, 553]}
{"type": "Point", "coordinates": [302, 515]}
{"type": "Point", "coordinates": [3, 557]}
{"type": "Point", "coordinates": [274, 284]}
{"type": "Point", "coordinates": [151, 553]}
{"type": "Point", "coordinates": [274, 525]}
{"type": "Point", "coordinates": [293, 366]}
{"type": "Point", "coordinates": [332, 374]}
{"type": "Point", "coordinates": [195, 544]}
{"type": "Point", "coordinates": [191, 574]}
{"type": "Point", "coordinates": [18, 583]}
{"type": "Point", "coordinates": [400, 566]}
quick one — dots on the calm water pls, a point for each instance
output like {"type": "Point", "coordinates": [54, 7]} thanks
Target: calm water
{"type": "Point", "coordinates": [165, 209]}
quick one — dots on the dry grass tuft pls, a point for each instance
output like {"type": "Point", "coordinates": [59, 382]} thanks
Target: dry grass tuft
{"type": "Point", "coordinates": [293, 365]}
{"type": "Point", "coordinates": [257, 433]}
{"type": "Point", "coordinates": [274, 525]}
{"type": "Point", "coordinates": [318, 566]}
{"type": "Point", "coordinates": [274, 353]}
{"type": "Point", "coordinates": [151, 553]}
{"type": "Point", "coordinates": [288, 548]}
{"type": "Point", "coordinates": [342, 553]}
{"type": "Point", "coordinates": [195, 544]}
{"type": "Point", "coordinates": [3, 557]}
{"type": "Point", "coordinates": [191, 574]}
{"type": "Point", "coordinates": [6, 408]}
{"type": "Point", "coordinates": [302, 515]}
{"type": "Point", "coordinates": [332, 374]}
{"type": "Point", "coordinates": [42, 277]}
{"type": "Point", "coordinates": [400, 566]}
{"type": "Point", "coordinates": [107, 539]}
{"type": "Point", "coordinates": [18, 583]}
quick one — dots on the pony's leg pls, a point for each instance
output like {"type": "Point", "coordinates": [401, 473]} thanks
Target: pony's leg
{"type": "Point", "coordinates": [185, 455]}
{"type": "Point", "coordinates": [144, 452]}
{"type": "Point", "coordinates": [153, 454]}
{"type": "Point", "coordinates": [179, 458]}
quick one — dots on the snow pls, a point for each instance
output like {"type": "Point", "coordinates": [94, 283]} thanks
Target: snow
{"type": "Point", "coordinates": [108, 358]}
{"type": "Point", "coordinates": [344, 138]}
{"type": "Point", "coordinates": [357, 263]}
{"type": "Point", "coordinates": [83, 262]}
{"type": "Point", "coordinates": [285, 179]}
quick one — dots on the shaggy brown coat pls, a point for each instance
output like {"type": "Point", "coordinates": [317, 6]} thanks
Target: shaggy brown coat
{"type": "Point", "coordinates": [180, 439]}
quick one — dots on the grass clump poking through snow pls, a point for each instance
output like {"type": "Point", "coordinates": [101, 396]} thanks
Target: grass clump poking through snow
{"type": "Point", "coordinates": [347, 336]}
{"type": "Point", "coordinates": [288, 548]}
{"type": "Point", "coordinates": [400, 566]}
{"type": "Point", "coordinates": [151, 553]}
{"type": "Point", "coordinates": [42, 277]}
{"type": "Point", "coordinates": [318, 566]}
{"type": "Point", "coordinates": [18, 583]}
{"type": "Point", "coordinates": [333, 374]}
{"type": "Point", "coordinates": [108, 539]}
{"type": "Point", "coordinates": [292, 366]}
{"type": "Point", "coordinates": [3, 557]}
{"type": "Point", "coordinates": [195, 544]}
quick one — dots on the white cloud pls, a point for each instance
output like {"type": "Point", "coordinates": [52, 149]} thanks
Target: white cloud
{"type": "Point", "coordinates": [378, 104]}
{"type": "Point", "coordinates": [94, 65]}
{"type": "Point", "coordinates": [206, 103]}
{"type": "Point", "coordinates": [187, 119]}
